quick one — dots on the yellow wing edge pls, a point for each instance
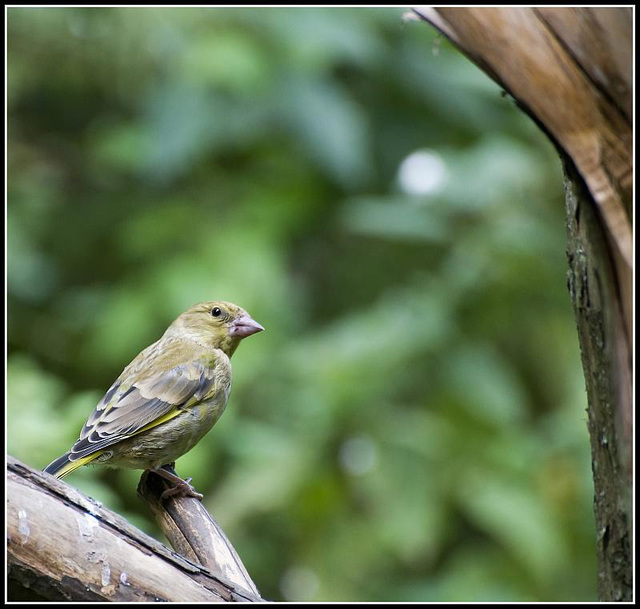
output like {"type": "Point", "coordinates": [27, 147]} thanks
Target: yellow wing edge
{"type": "Point", "coordinates": [73, 465]}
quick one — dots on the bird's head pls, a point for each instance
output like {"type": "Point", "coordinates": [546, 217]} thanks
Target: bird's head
{"type": "Point", "coordinates": [217, 324]}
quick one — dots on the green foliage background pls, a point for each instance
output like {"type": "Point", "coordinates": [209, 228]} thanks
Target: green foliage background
{"type": "Point", "coordinates": [411, 426]}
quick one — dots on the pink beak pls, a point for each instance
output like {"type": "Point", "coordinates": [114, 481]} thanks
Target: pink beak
{"type": "Point", "coordinates": [244, 326]}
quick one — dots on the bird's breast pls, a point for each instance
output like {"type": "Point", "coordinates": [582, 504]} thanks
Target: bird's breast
{"type": "Point", "coordinates": [170, 440]}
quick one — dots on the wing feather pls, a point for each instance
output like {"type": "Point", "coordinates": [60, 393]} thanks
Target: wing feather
{"type": "Point", "coordinates": [130, 408]}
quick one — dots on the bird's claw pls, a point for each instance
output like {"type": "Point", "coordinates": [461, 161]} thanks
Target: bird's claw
{"type": "Point", "coordinates": [182, 489]}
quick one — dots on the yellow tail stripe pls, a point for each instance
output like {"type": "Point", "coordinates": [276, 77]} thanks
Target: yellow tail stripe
{"type": "Point", "coordinates": [73, 465]}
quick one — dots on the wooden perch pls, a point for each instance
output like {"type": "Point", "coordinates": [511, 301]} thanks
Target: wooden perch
{"type": "Point", "coordinates": [193, 533]}
{"type": "Point", "coordinates": [64, 545]}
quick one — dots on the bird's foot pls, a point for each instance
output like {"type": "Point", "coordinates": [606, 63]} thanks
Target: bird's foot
{"type": "Point", "coordinates": [180, 488]}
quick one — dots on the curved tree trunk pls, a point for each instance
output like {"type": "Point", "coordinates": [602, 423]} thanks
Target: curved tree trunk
{"type": "Point", "coordinates": [570, 69]}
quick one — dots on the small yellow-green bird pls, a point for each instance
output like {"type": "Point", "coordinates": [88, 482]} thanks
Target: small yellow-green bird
{"type": "Point", "coordinates": [166, 399]}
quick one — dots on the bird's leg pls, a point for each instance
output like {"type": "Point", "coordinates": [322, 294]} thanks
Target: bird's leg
{"type": "Point", "coordinates": [181, 487]}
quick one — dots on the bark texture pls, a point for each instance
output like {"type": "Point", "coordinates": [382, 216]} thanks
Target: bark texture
{"type": "Point", "coordinates": [64, 546]}
{"type": "Point", "coordinates": [570, 69]}
{"type": "Point", "coordinates": [193, 532]}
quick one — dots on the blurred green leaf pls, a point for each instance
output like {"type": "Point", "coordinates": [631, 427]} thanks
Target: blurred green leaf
{"type": "Point", "coordinates": [329, 126]}
{"type": "Point", "coordinates": [510, 512]}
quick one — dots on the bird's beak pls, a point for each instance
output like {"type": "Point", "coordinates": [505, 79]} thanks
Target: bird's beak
{"type": "Point", "coordinates": [244, 326]}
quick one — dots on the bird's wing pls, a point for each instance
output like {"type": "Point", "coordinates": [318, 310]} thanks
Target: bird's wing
{"type": "Point", "coordinates": [128, 410]}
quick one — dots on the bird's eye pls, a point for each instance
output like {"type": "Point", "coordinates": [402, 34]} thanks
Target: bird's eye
{"type": "Point", "coordinates": [216, 312]}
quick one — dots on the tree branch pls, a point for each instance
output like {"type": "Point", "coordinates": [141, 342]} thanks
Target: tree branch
{"type": "Point", "coordinates": [570, 70]}
{"type": "Point", "coordinates": [65, 546]}
{"type": "Point", "coordinates": [193, 533]}
{"type": "Point", "coordinates": [525, 50]}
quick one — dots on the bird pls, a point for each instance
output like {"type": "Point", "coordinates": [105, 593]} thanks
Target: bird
{"type": "Point", "coordinates": [165, 401]}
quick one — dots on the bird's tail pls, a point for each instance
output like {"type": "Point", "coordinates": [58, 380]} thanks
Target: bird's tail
{"type": "Point", "coordinates": [64, 465]}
